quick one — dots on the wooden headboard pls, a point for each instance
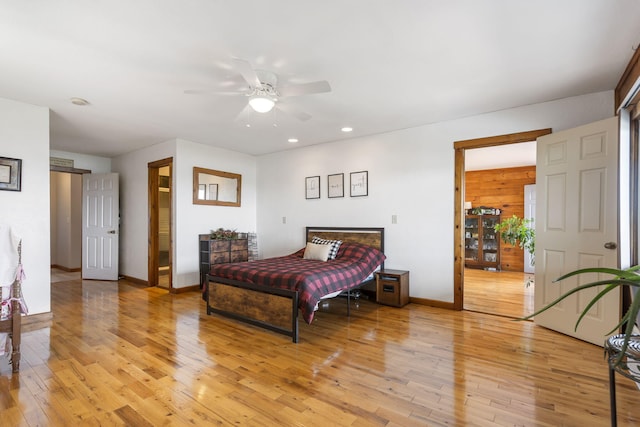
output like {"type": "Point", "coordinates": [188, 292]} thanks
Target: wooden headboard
{"type": "Point", "coordinates": [370, 236]}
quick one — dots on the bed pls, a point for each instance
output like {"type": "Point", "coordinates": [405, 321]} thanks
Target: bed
{"type": "Point", "coordinates": [273, 293]}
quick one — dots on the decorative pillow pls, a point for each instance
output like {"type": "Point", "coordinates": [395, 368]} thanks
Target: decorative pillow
{"type": "Point", "coordinates": [335, 245]}
{"type": "Point", "coordinates": [317, 252]}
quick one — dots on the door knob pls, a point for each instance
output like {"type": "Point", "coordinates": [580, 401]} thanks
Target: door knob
{"type": "Point", "coordinates": [610, 245]}
{"type": "Point", "coordinates": [114, 232]}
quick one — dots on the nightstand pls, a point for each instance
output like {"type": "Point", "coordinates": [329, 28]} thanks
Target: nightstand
{"type": "Point", "coordinates": [392, 287]}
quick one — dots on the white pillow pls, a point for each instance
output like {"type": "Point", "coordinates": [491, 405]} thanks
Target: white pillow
{"type": "Point", "coordinates": [317, 252]}
{"type": "Point", "coordinates": [335, 245]}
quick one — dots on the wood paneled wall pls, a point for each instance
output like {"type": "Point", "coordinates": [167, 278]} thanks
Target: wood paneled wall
{"type": "Point", "coordinates": [503, 189]}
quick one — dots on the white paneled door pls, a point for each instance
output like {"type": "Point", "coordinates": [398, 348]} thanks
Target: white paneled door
{"type": "Point", "coordinates": [100, 226]}
{"type": "Point", "coordinates": [576, 217]}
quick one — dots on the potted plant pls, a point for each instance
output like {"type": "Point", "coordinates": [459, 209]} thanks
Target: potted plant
{"type": "Point", "coordinates": [518, 231]}
{"type": "Point", "coordinates": [222, 234]}
{"type": "Point", "coordinates": [621, 277]}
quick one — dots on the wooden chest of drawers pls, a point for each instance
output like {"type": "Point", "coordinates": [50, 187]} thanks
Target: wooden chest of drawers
{"type": "Point", "coordinates": [220, 252]}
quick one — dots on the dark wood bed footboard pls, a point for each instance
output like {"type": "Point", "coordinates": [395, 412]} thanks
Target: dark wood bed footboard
{"type": "Point", "coordinates": [269, 308]}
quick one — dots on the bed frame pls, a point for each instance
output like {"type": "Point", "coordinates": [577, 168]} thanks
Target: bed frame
{"type": "Point", "coordinates": [277, 309]}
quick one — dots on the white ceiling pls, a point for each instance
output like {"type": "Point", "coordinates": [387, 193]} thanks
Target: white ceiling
{"type": "Point", "coordinates": [504, 156]}
{"type": "Point", "coordinates": [391, 64]}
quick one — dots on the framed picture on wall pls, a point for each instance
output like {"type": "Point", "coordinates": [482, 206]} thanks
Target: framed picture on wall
{"type": "Point", "coordinates": [213, 192]}
{"type": "Point", "coordinates": [359, 183]}
{"type": "Point", "coordinates": [335, 185]}
{"type": "Point", "coordinates": [10, 174]}
{"type": "Point", "coordinates": [312, 187]}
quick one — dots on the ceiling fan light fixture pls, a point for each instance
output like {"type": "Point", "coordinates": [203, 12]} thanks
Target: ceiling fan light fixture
{"type": "Point", "coordinates": [261, 104]}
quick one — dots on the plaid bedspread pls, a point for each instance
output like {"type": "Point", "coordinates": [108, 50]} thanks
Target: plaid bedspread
{"type": "Point", "coordinates": [311, 278]}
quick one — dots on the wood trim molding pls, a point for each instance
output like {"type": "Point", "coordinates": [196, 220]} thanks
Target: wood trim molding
{"type": "Point", "coordinates": [192, 288]}
{"type": "Point", "coordinates": [458, 228]}
{"type": "Point", "coordinates": [136, 281]}
{"type": "Point", "coordinates": [153, 176]}
{"type": "Point", "coordinates": [68, 170]}
{"type": "Point", "coordinates": [432, 303]}
{"type": "Point", "coordinates": [511, 138]}
{"type": "Point", "coordinates": [160, 163]}
{"type": "Point", "coordinates": [67, 269]}
{"type": "Point", "coordinates": [627, 81]}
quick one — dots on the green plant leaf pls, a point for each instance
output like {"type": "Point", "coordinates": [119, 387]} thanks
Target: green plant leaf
{"type": "Point", "coordinates": [621, 277]}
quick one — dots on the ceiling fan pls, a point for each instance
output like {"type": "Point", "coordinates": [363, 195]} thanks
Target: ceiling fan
{"type": "Point", "coordinates": [264, 93]}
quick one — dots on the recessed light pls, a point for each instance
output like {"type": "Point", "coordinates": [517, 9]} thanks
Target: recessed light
{"type": "Point", "coordinates": [292, 140]}
{"type": "Point", "coordinates": [346, 129]}
{"type": "Point", "coordinates": [79, 101]}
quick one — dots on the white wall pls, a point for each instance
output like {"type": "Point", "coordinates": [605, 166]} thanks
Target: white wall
{"type": "Point", "coordinates": [24, 134]}
{"type": "Point", "coordinates": [134, 213]}
{"type": "Point", "coordinates": [189, 220]}
{"type": "Point", "coordinates": [411, 175]}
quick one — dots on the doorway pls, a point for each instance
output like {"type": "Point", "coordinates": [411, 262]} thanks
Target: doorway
{"type": "Point", "coordinates": [66, 218]}
{"type": "Point", "coordinates": [160, 260]}
{"type": "Point", "coordinates": [459, 230]}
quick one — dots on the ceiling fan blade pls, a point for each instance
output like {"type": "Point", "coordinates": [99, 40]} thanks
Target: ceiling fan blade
{"type": "Point", "coordinates": [247, 72]}
{"type": "Point", "coordinates": [244, 116]}
{"type": "Point", "coordinates": [305, 88]}
{"type": "Point", "coordinates": [210, 92]}
{"type": "Point", "coordinates": [299, 114]}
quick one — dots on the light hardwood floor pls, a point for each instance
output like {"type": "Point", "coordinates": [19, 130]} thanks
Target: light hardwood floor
{"type": "Point", "coordinates": [121, 354]}
{"type": "Point", "coordinates": [504, 293]}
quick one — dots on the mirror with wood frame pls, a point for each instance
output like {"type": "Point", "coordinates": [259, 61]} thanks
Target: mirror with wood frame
{"type": "Point", "coordinates": [217, 188]}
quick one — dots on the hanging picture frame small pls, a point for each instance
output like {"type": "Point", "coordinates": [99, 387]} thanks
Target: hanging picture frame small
{"type": "Point", "coordinates": [335, 185]}
{"type": "Point", "coordinates": [10, 174]}
{"type": "Point", "coordinates": [359, 183]}
{"type": "Point", "coordinates": [312, 187]}
{"type": "Point", "coordinates": [213, 192]}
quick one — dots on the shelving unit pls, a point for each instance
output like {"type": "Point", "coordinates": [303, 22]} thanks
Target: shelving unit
{"type": "Point", "coordinates": [481, 243]}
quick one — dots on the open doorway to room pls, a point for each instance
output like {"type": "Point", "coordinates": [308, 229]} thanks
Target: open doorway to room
{"type": "Point", "coordinates": [491, 174]}
{"type": "Point", "coordinates": [65, 217]}
{"type": "Point", "coordinates": [496, 180]}
{"type": "Point", "coordinates": [160, 265]}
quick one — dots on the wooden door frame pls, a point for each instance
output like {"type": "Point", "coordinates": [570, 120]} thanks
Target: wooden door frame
{"type": "Point", "coordinates": [458, 227]}
{"type": "Point", "coordinates": [154, 223]}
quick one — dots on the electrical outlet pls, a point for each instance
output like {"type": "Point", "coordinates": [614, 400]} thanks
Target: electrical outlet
{"type": "Point", "coordinates": [394, 219]}
{"type": "Point", "coordinates": [284, 219]}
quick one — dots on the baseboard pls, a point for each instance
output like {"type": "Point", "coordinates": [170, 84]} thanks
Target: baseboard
{"type": "Point", "coordinates": [432, 303]}
{"type": "Point", "coordinates": [135, 280]}
{"type": "Point", "coordinates": [193, 288]}
{"type": "Point", "coordinates": [67, 269]}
